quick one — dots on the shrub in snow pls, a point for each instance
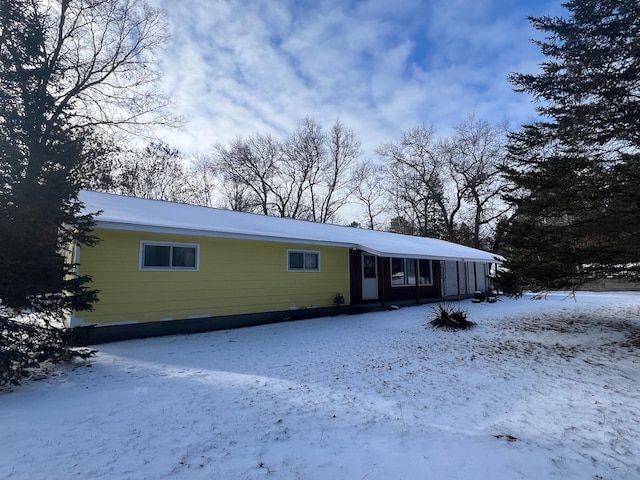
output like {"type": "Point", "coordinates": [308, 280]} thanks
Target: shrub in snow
{"type": "Point", "coordinates": [449, 318]}
{"type": "Point", "coordinates": [28, 344]}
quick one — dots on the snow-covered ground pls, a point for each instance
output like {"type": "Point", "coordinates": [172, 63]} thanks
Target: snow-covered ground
{"type": "Point", "coordinates": [537, 390]}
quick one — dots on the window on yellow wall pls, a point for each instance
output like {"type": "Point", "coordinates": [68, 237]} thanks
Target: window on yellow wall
{"type": "Point", "coordinates": [168, 256]}
{"type": "Point", "coordinates": [303, 261]}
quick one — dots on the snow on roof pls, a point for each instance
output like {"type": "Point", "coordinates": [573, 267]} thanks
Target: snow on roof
{"type": "Point", "coordinates": [129, 213]}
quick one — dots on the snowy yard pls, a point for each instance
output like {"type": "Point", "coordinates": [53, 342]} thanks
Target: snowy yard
{"type": "Point", "coordinates": [537, 390]}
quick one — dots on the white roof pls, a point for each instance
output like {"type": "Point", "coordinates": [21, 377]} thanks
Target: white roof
{"type": "Point", "coordinates": [138, 214]}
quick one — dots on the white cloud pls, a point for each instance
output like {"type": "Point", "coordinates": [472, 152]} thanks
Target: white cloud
{"type": "Point", "coordinates": [239, 67]}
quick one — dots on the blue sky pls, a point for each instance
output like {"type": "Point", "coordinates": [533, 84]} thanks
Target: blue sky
{"type": "Point", "coordinates": [238, 67]}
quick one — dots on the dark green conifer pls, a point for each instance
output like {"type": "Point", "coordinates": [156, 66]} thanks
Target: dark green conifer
{"type": "Point", "coordinates": [576, 172]}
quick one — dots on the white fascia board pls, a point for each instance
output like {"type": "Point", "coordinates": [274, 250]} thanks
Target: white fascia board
{"type": "Point", "coordinates": [399, 254]}
{"type": "Point", "coordinates": [496, 259]}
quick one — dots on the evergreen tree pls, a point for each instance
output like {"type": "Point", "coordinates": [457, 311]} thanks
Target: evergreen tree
{"type": "Point", "coordinates": [66, 68]}
{"type": "Point", "coordinates": [576, 172]}
{"type": "Point", "coordinates": [38, 205]}
{"type": "Point", "coordinates": [39, 210]}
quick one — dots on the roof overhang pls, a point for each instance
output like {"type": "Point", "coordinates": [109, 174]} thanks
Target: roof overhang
{"type": "Point", "coordinates": [141, 227]}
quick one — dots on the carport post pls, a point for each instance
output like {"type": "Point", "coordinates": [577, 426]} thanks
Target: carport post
{"type": "Point", "coordinates": [381, 277]}
{"type": "Point", "coordinates": [458, 277]}
{"type": "Point", "coordinates": [416, 277]}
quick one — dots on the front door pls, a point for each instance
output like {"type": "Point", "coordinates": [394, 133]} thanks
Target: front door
{"type": "Point", "coordinates": [369, 277]}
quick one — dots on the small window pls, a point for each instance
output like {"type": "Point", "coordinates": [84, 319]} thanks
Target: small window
{"type": "Point", "coordinates": [397, 271]}
{"type": "Point", "coordinates": [157, 256]}
{"type": "Point", "coordinates": [168, 256]}
{"type": "Point", "coordinates": [303, 261]}
{"type": "Point", "coordinates": [424, 266]}
{"type": "Point", "coordinates": [183, 257]}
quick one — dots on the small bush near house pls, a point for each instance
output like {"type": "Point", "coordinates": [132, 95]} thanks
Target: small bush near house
{"type": "Point", "coordinates": [449, 318]}
{"type": "Point", "coordinates": [28, 345]}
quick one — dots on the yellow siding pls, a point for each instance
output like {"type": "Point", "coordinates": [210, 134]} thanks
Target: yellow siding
{"type": "Point", "coordinates": [235, 277]}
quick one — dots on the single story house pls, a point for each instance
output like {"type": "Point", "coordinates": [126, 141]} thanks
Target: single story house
{"type": "Point", "coordinates": [165, 267]}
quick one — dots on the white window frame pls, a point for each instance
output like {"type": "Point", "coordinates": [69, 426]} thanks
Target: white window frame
{"type": "Point", "coordinates": [404, 272]}
{"type": "Point", "coordinates": [142, 267]}
{"type": "Point", "coordinates": [304, 252]}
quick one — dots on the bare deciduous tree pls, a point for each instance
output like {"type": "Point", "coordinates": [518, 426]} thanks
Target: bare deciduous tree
{"type": "Point", "coordinates": [102, 57]}
{"type": "Point", "coordinates": [97, 170]}
{"type": "Point", "coordinates": [475, 154]}
{"type": "Point", "coordinates": [337, 179]}
{"type": "Point", "coordinates": [369, 189]}
{"type": "Point", "coordinates": [417, 189]}
{"type": "Point", "coordinates": [201, 176]}
{"type": "Point", "coordinates": [248, 169]}
{"type": "Point", "coordinates": [450, 187]}
{"type": "Point", "coordinates": [155, 172]}
{"type": "Point", "coordinates": [304, 154]}
{"type": "Point", "coordinates": [308, 175]}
